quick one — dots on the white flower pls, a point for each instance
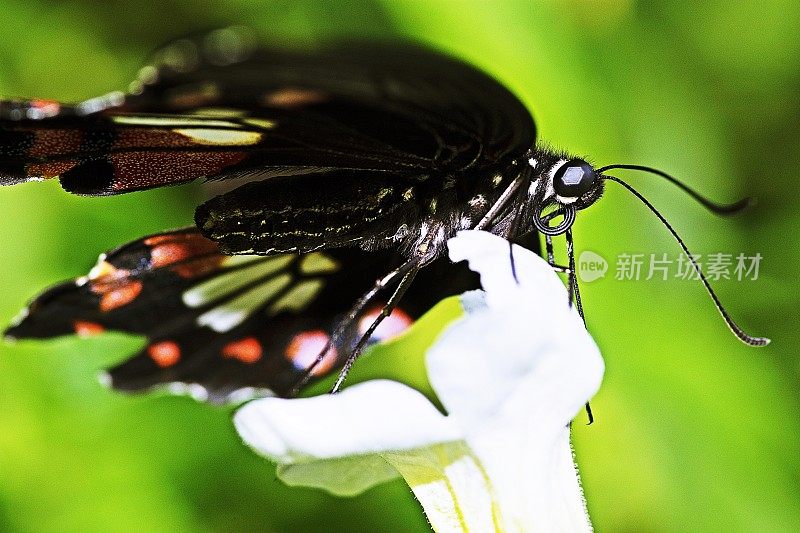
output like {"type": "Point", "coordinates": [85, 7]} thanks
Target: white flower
{"type": "Point", "coordinates": [511, 375]}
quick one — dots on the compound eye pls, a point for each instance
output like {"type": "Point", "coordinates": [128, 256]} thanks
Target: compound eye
{"type": "Point", "coordinates": [574, 178]}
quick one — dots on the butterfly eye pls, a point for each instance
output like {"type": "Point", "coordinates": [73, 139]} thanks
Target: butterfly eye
{"type": "Point", "coordinates": [574, 178]}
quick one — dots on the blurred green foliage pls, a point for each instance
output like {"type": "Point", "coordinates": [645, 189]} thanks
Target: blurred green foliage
{"type": "Point", "coordinates": [694, 431]}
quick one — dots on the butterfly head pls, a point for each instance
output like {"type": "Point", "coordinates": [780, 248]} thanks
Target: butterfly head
{"type": "Point", "coordinates": [562, 186]}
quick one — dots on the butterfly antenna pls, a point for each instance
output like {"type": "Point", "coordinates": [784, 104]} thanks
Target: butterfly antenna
{"type": "Point", "coordinates": [575, 296]}
{"type": "Point", "coordinates": [740, 334]}
{"type": "Point", "coordinates": [718, 209]}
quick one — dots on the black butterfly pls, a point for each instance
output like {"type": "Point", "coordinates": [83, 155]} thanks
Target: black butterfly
{"type": "Point", "coordinates": [351, 164]}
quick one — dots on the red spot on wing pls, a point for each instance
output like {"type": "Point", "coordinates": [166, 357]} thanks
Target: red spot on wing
{"type": "Point", "coordinates": [164, 353]}
{"type": "Point", "coordinates": [116, 293]}
{"type": "Point", "coordinates": [179, 250]}
{"type": "Point", "coordinates": [305, 347]}
{"type": "Point", "coordinates": [120, 296]}
{"type": "Point", "coordinates": [114, 286]}
{"type": "Point", "coordinates": [391, 326]}
{"type": "Point", "coordinates": [246, 350]}
{"type": "Point", "coordinates": [87, 329]}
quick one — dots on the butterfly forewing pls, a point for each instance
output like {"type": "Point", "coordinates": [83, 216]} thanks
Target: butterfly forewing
{"type": "Point", "coordinates": [358, 106]}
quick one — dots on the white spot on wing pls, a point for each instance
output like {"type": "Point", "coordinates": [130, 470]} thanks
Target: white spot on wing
{"type": "Point", "coordinates": [401, 233]}
{"type": "Point", "coordinates": [195, 390]}
{"type": "Point", "coordinates": [248, 393]}
{"type": "Point", "coordinates": [104, 378]}
{"type": "Point", "coordinates": [219, 112]}
{"type": "Point", "coordinates": [94, 105]}
{"type": "Point", "coordinates": [19, 317]}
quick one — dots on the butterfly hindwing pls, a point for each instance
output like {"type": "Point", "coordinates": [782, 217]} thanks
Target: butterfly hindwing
{"type": "Point", "coordinates": [217, 324]}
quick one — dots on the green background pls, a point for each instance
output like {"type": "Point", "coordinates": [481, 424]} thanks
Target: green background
{"type": "Point", "coordinates": [694, 431]}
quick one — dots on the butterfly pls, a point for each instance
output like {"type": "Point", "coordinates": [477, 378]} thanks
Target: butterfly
{"type": "Point", "coordinates": [334, 169]}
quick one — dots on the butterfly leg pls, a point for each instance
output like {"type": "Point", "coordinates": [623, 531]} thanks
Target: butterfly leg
{"type": "Point", "coordinates": [548, 240]}
{"type": "Point", "coordinates": [575, 296]}
{"type": "Point", "coordinates": [357, 308]}
{"type": "Point", "coordinates": [574, 292]}
{"type": "Point", "coordinates": [387, 309]}
{"type": "Point", "coordinates": [424, 254]}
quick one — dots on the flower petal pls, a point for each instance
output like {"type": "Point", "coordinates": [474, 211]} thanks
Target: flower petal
{"type": "Point", "coordinates": [345, 476]}
{"type": "Point", "coordinates": [480, 360]}
{"type": "Point", "coordinates": [319, 436]}
{"type": "Point", "coordinates": [489, 255]}
{"type": "Point", "coordinates": [513, 376]}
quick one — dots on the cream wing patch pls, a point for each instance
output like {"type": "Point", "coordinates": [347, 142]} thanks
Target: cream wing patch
{"type": "Point", "coordinates": [214, 137]}
{"type": "Point", "coordinates": [260, 281]}
{"type": "Point", "coordinates": [222, 285]}
{"type": "Point", "coordinates": [317, 263]}
{"type": "Point", "coordinates": [174, 121]}
{"type": "Point", "coordinates": [232, 313]}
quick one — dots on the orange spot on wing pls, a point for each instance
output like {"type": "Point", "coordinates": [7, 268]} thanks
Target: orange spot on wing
{"type": "Point", "coordinates": [164, 353]}
{"type": "Point", "coordinates": [119, 295]}
{"type": "Point", "coordinates": [192, 242]}
{"type": "Point", "coordinates": [87, 329]}
{"type": "Point", "coordinates": [113, 285]}
{"type": "Point", "coordinates": [305, 347]}
{"type": "Point", "coordinates": [247, 350]}
{"type": "Point", "coordinates": [179, 250]}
